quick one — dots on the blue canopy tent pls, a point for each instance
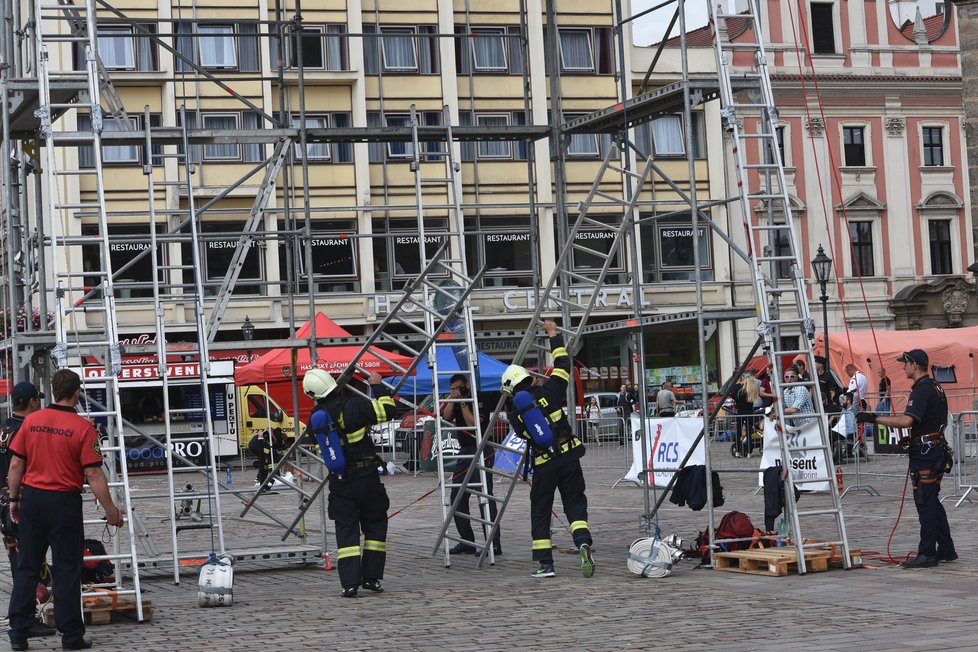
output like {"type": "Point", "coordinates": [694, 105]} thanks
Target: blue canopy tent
{"type": "Point", "coordinates": [452, 360]}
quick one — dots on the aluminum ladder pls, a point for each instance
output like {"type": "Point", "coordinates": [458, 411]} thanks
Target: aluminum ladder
{"type": "Point", "coordinates": [571, 293]}
{"type": "Point", "coordinates": [752, 117]}
{"type": "Point", "coordinates": [84, 328]}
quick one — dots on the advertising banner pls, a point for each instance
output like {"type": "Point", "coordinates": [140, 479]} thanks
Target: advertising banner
{"type": "Point", "coordinates": [667, 442]}
{"type": "Point", "coordinates": [804, 464]}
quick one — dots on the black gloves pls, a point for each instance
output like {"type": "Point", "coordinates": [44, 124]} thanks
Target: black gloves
{"type": "Point", "coordinates": [866, 417]}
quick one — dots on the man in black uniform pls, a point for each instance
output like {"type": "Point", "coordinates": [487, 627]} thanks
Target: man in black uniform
{"type": "Point", "coordinates": [926, 416]}
{"type": "Point", "coordinates": [558, 468]}
{"type": "Point", "coordinates": [357, 498]}
{"type": "Point", "coordinates": [266, 446]}
{"type": "Point", "coordinates": [24, 399]}
{"type": "Point", "coordinates": [460, 415]}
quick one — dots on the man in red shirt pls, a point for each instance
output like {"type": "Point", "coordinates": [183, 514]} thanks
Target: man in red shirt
{"type": "Point", "coordinates": [55, 452]}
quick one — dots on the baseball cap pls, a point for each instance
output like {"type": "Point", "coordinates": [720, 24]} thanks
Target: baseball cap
{"type": "Point", "coordinates": [24, 391]}
{"type": "Point", "coordinates": [820, 359]}
{"type": "Point", "coordinates": [917, 356]}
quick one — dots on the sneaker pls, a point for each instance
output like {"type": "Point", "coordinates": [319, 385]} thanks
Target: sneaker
{"type": "Point", "coordinates": [373, 585]}
{"type": "Point", "coordinates": [587, 561]}
{"type": "Point", "coordinates": [921, 561]}
{"type": "Point", "coordinates": [947, 556]}
{"type": "Point", "coordinates": [545, 570]}
{"type": "Point", "coordinates": [349, 591]}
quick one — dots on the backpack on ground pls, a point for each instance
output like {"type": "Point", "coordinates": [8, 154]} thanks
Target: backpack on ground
{"type": "Point", "coordinates": [733, 525]}
{"type": "Point", "coordinates": [96, 571]}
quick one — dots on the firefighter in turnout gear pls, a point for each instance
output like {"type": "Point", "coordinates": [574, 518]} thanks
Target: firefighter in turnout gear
{"type": "Point", "coordinates": [557, 466]}
{"type": "Point", "coordinates": [357, 499]}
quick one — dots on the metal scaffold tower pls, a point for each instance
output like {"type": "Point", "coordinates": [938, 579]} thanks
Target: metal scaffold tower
{"type": "Point", "coordinates": [85, 319]}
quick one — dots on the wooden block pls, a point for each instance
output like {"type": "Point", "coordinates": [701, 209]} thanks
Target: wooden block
{"type": "Point", "coordinates": [773, 562]}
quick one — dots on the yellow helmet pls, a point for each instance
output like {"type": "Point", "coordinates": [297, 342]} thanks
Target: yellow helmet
{"type": "Point", "coordinates": [318, 384]}
{"type": "Point", "coordinates": [513, 376]}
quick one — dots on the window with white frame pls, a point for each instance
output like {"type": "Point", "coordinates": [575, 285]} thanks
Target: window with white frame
{"type": "Point", "coordinates": [115, 47]}
{"type": "Point", "coordinates": [111, 154]}
{"type": "Point", "coordinates": [933, 141]}
{"type": "Point", "coordinates": [397, 46]}
{"type": "Point", "coordinates": [939, 233]}
{"type": "Point", "coordinates": [314, 151]}
{"type": "Point", "coordinates": [489, 49]}
{"type": "Point", "coordinates": [494, 148]}
{"type": "Point", "coordinates": [854, 146]}
{"type": "Point", "coordinates": [399, 149]}
{"type": "Point", "coordinates": [581, 145]}
{"type": "Point", "coordinates": [667, 136]}
{"type": "Point", "coordinates": [323, 47]}
{"type": "Point", "coordinates": [223, 121]}
{"type": "Point", "coordinates": [576, 54]}
{"type": "Point", "coordinates": [217, 46]}
{"type": "Point", "coordinates": [861, 235]}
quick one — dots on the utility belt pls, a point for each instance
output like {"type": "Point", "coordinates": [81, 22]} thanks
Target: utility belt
{"type": "Point", "coordinates": [567, 445]}
{"type": "Point", "coordinates": [360, 467]}
{"type": "Point", "coordinates": [934, 467]}
{"type": "Point", "coordinates": [929, 439]}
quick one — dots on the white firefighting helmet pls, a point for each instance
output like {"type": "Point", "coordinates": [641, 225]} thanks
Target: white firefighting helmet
{"type": "Point", "coordinates": [318, 384]}
{"type": "Point", "coordinates": [513, 376]}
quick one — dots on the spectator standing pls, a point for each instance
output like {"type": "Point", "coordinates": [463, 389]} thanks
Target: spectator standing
{"type": "Point", "coordinates": [885, 404]}
{"type": "Point", "coordinates": [665, 400]}
{"type": "Point", "coordinates": [858, 386]}
{"type": "Point", "coordinates": [594, 420]}
{"type": "Point", "coordinates": [624, 407]}
{"type": "Point", "coordinates": [55, 452]}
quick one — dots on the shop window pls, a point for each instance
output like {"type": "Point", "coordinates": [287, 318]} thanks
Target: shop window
{"type": "Point", "coordinates": [397, 256]}
{"type": "Point", "coordinates": [218, 243]}
{"type": "Point", "coordinates": [673, 251]}
{"type": "Point", "coordinates": [504, 245]}
{"type": "Point", "coordinates": [334, 256]}
{"type": "Point", "coordinates": [127, 242]}
{"type": "Point", "coordinates": [593, 246]}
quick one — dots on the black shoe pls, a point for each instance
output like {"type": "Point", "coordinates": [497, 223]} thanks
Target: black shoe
{"type": "Point", "coordinates": [921, 561]}
{"type": "Point", "coordinates": [947, 556]}
{"type": "Point", "coordinates": [461, 549]}
{"type": "Point", "coordinates": [373, 585]}
{"type": "Point", "coordinates": [77, 644]}
{"type": "Point", "coordinates": [350, 591]}
{"type": "Point", "coordinates": [39, 629]}
{"type": "Point", "coordinates": [18, 645]}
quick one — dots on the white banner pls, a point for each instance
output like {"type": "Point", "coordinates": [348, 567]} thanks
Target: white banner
{"type": "Point", "coordinates": [668, 441]}
{"type": "Point", "coordinates": [804, 464]}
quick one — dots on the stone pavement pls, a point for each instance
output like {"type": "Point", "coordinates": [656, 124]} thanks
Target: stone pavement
{"type": "Point", "coordinates": [428, 606]}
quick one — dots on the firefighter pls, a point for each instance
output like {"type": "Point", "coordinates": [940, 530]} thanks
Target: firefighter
{"type": "Point", "coordinates": [930, 457]}
{"type": "Point", "coordinates": [267, 446]}
{"type": "Point", "coordinates": [557, 467]}
{"type": "Point", "coordinates": [357, 499]}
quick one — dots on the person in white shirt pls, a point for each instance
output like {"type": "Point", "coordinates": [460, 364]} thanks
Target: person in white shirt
{"type": "Point", "coordinates": [858, 386]}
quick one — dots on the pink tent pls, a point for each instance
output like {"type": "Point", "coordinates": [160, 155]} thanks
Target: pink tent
{"type": "Point", "coordinates": [944, 347]}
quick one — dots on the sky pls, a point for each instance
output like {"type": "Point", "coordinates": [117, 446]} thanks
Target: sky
{"type": "Point", "coordinates": [651, 28]}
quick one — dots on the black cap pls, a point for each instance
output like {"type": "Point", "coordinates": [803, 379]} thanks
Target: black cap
{"type": "Point", "coordinates": [820, 359]}
{"type": "Point", "coordinates": [917, 356]}
{"type": "Point", "coordinates": [25, 391]}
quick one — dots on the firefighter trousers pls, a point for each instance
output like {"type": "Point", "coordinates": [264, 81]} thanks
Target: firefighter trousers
{"type": "Point", "coordinates": [357, 505]}
{"type": "Point", "coordinates": [566, 477]}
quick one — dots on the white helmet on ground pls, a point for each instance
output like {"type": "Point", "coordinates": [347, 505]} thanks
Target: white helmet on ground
{"type": "Point", "coordinates": [318, 384]}
{"type": "Point", "coordinates": [513, 376]}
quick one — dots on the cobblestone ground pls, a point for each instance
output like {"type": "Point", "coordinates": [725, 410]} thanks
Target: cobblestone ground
{"type": "Point", "coordinates": [428, 606]}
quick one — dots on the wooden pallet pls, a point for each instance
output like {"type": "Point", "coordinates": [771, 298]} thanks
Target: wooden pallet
{"type": "Point", "coordinates": [101, 610]}
{"type": "Point", "coordinates": [773, 562]}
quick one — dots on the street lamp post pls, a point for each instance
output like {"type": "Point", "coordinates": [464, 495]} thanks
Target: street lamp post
{"type": "Point", "coordinates": [248, 333]}
{"type": "Point", "coordinates": [822, 266]}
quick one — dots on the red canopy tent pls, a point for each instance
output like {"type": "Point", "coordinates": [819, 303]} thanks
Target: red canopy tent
{"type": "Point", "coordinates": [275, 370]}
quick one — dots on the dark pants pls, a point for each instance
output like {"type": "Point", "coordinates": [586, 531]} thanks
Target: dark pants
{"type": "Point", "coordinates": [262, 449]}
{"type": "Point", "coordinates": [935, 532]}
{"type": "Point", "coordinates": [463, 523]}
{"type": "Point", "coordinates": [359, 505]}
{"type": "Point", "coordinates": [49, 518]}
{"type": "Point", "coordinates": [567, 477]}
